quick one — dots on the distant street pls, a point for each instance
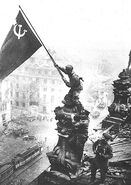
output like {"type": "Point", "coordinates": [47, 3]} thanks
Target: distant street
{"type": "Point", "coordinates": [42, 130]}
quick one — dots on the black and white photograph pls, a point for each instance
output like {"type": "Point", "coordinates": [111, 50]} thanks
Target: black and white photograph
{"type": "Point", "coordinates": [65, 92]}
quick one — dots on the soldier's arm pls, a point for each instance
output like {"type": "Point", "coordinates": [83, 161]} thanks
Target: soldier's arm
{"type": "Point", "coordinates": [94, 146]}
{"type": "Point", "coordinates": [60, 68]}
{"type": "Point", "coordinates": [63, 69]}
{"type": "Point", "coordinates": [67, 83]}
{"type": "Point", "coordinates": [109, 154]}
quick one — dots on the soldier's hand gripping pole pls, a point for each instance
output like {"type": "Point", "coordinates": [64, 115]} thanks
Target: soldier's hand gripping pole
{"type": "Point", "coordinates": [57, 67]}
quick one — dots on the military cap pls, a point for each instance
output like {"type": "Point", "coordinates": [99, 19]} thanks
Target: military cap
{"type": "Point", "coordinates": [69, 67]}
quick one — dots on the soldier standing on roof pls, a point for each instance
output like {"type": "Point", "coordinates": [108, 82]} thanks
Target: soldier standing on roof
{"type": "Point", "coordinates": [103, 152]}
{"type": "Point", "coordinates": [75, 84]}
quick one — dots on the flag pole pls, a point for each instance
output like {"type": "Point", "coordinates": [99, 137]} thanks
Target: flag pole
{"type": "Point", "coordinates": [129, 63]}
{"type": "Point", "coordinates": [42, 43]}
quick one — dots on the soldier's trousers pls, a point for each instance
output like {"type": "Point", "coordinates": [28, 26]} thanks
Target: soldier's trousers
{"type": "Point", "coordinates": [102, 165]}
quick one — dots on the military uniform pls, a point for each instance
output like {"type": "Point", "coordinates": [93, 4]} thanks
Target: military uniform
{"type": "Point", "coordinates": [75, 80]}
{"type": "Point", "coordinates": [103, 152]}
{"type": "Point", "coordinates": [75, 84]}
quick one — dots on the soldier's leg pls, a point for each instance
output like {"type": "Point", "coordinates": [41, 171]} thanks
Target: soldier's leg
{"type": "Point", "coordinates": [76, 101]}
{"type": "Point", "coordinates": [93, 171]}
{"type": "Point", "coordinates": [103, 171]}
{"type": "Point", "coordinates": [68, 99]}
{"type": "Point", "coordinates": [75, 94]}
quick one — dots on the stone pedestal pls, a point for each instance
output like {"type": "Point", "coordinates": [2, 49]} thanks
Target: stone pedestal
{"type": "Point", "coordinates": [72, 129]}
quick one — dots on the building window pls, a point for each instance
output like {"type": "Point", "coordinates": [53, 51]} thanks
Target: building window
{"type": "Point", "coordinates": [37, 94]}
{"type": "Point", "coordinates": [44, 109]}
{"type": "Point", "coordinates": [4, 118]}
{"type": "Point", "coordinates": [23, 104]}
{"type": "Point", "coordinates": [17, 85]}
{"type": "Point", "coordinates": [37, 80]}
{"type": "Point", "coordinates": [45, 89]}
{"type": "Point", "coordinates": [54, 72]}
{"type": "Point", "coordinates": [52, 99]}
{"type": "Point", "coordinates": [5, 106]}
{"type": "Point", "coordinates": [53, 81]}
{"type": "Point", "coordinates": [11, 93]}
{"type": "Point", "coordinates": [26, 68]}
{"type": "Point", "coordinates": [17, 94]}
{"type": "Point", "coordinates": [45, 81]}
{"type": "Point", "coordinates": [17, 103]}
{"type": "Point", "coordinates": [23, 96]}
{"type": "Point", "coordinates": [0, 97]}
{"type": "Point", "coordinates": [44, 98]}
{"type": "Point", "coordinates": [11, 85]}
{"type": "Point", "coordinates": [52, 89]}
{"type": "Point", "coordinates": [46, 72]}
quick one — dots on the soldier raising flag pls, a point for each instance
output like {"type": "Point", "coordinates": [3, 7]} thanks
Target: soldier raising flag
{"type": "Point", "coordinates": [75, 85]}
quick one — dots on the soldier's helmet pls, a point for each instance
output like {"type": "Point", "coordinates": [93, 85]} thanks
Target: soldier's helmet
{"type": "Point", "coordinates": [107, 136]}
{"type": "Point", "coordinates": [69, 68]}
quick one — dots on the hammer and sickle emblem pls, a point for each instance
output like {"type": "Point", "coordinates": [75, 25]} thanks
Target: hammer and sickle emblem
{"type": "Point", "coordinates": [19, 34]}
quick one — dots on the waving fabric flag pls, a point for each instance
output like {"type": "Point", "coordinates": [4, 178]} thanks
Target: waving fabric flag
{"type": "Point", "coordinates": [20, 44]}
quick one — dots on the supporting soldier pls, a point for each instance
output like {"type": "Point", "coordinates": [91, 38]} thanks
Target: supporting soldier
{"type": "Point", "coordinates": [103, 152]}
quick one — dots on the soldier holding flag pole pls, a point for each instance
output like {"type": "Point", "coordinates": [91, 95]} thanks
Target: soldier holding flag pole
{"type": "Point", "coordinates": [75, 82]}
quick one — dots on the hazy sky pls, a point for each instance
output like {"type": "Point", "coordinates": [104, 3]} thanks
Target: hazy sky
{"type": "Point", "coordinates": [76, 28]}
